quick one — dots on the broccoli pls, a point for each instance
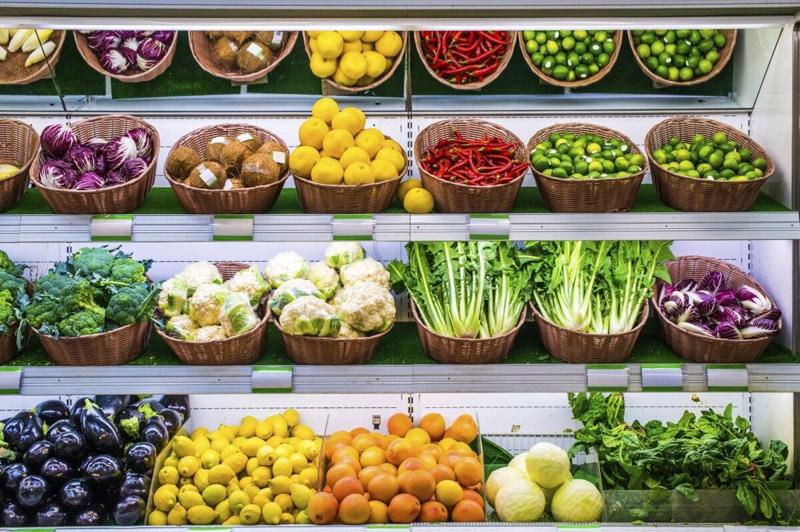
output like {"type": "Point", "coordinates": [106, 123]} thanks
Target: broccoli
{"type": "Point", "coordinates": [92, 262]}
{"type": "Point", "coordinates": [57, 296]}
{"type": "Point", "coordinates": [131, 304]}
{"type": "Point", "coordinates": [7, 313]}
{"type": "Point", "coordinates": [126, 270]}
{"type": "Point", "coordinates": [9, 265]}
{"type": "Point", "coordinates": [42, 310]}
{"type": "Point", "coordinates": [15, 285]}
{"type": "Point", "coordinates": [83, 322]}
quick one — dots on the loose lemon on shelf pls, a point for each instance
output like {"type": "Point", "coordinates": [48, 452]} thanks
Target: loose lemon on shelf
{"type": "Point", "coordinates": [371, 36]}
{"type": "Point", "coordinates": [388, 154]}
{"type": "Point", "coordinates": [325, 109]}
{"type": "Point", "coordinates": [327, 171]}
{"type": "Point", "coordinates": [407, 185]}
{"type": "Point", "coordinates": [312, 132]}
{"type": "Point", "coordinates": [321, 67]}
{"type": "Point", "coordinates": [383, 170]}
{"type": "Point", "coordinates": [359, 173]}
{"type": "Point", "coordinates": [343, 79]}
{"type": "Point", "coordinates": [329, 44]}
{"type": "Point", "coordinates": [418, 201]}
{"type": "Point", "coordinates": [353, 64]}
{"type": "Point", "coordinates": [370, 140]}
{"type": "Point", "coordinates": [347, 120]}
{"type": "Point", "coordinates": [389, 44]}
{"type": "Point", "coordinates": [351, 35]}
{"type": "Point", "coordinates": [376, 63]}
{"type": "Point", "coordinates": [353, 155]}
{"type": "Point", "coordinates": [336, 142]}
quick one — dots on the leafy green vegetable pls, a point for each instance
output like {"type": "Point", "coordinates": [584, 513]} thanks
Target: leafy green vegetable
{"type": "Point", "coordinates": [92, 262]}
{"type": "Point", "coordinates": [126, 270]}
{"type": "Point", "coordinates": [83, 322]}
{"type": "Point", "coordinates": [131, 304]}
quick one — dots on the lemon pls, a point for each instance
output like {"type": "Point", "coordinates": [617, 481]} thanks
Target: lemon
{"type": "Point", "coordinates": [247, 427]}
{"type": "Point", "coordinates": [407, 185]}
{"type": "Point", "coordinates": [280, 484]}
{"type": "Point", "coordinates": [308, 449]}
{"type": "Point", "coordinates": [284, 500]}
{"type": "Point", "coordinates": [329, 44]}
{"type": "Point", "coordinates": [188, 466]}
{"type": "Point", "coordinates": [201, 444]}
{"type": "Point", "coordinates": [238, 500]}
{"type": "Point", "coordinates": [230, 431]}
{"type": "Point", "coordinates": [218, 444]}
{"type": "Point", "coordinates": [389, 44]}
{"type": "Point", "coordinates": [321, 67]}
{"type": "Point", "coordinates": [301, 495]}
{"type": "Point", "coordinates": [236, 462]}
{"type": "Point", "coordinates": [308, 476]}
{"type": "Point", "coordinates": [233, 485]}
{"type": "Point", "coordinates": [251, 491]}
{"type": "Point", "coordinates": [393, 145]}
{"type": "Point", "coordinates": [215, 494]}
{"type": "Point", "coordinates": [209, 459]}
{"type": "Point", "coordinates": [265, 455]}
{"type": "Point", "coordinates": [303, 432]}
{"type": "Point", "coordinates": [164, 500]}
{"type": "Point", "coordinates": [299, 462]}
{"type": "Point", "coordinates": [189, 487]}
{"type": "Point", "coordinates": [418, 201]}
{"type": "Point", "coordinates": [252, 464]}
{"type": "Point", "coordinates": [291, 415]}
{"type": "Point", "coordinates": [383, 170]}
{"type": "Point", "coordinates": [358, 173]}
{"type": "Point", "coordinates": [311, 133]}
{"type": "Point", "coordinates": [261, 476]}
{"type": "Point", "coordinates": [370, 140]}
{"type": "Point", "coordinates": [229, 450]}
{"type": "Point", "coordinates": [367, 46]}
{"type": "Point", "coordinates": [189, 499]}
{"type": "Point", "coordinates": [327, 171]}
{"type": "Point", "coordinates": [183, 446]}
{"type": "Point", "coordinates": [168, 475]}
{"type": "Point", "coordinates": [275, 440]}
{"type": "Point", "coordinates": [371, 36]}
{"type": "Point", "coordinates": [199, 431]}
{"type": "Point", "coordinates": [312, 45]}
{"type": "Point", "coordinates": [252, 444]}
{"type": "Point", "coordinates": [223, 510]}
{"type": "Point", "coordinates": [271, 513]}
{"type": "Point", "coordinates": [232, 521]}
{"type": "Point", "coordinates": [157, 518]}
{"type": "Point", "coordinates": [171, 461]}
{"type": "Point", "coordinates": [388, 154]}
{"type": "Point", "coordinates": [286, 519]}
{"type": "Point", "coordinates": [177, 516]}
{"type": "Point", "coordinates": [250, 514]}
{"type": "Point", "coordinates": [362, 118]}
{"type": "Point", "coordinates": [354, 46]}
{"type": "Point", "coordinates": [350, 35]}
{"type": "Point", "coordinates": [262, 497]}
{"type": "Point", "coordinates": [301, 161]}
{"type": "Point", "coordinates": [343, 79]}
{"type": "Point", "coordinates": [353, 64]}
{"type": "Point", "coordinates": [350, 156]}
{"type": "Point", "coordinates": [282, 467]}
{"type": "Point", "coordinates": [264, 427]}
{"type": "Point", "coordinates": [313, 34]}
{"type": "Point", "coordinates": [280, 426]}
{"type": "Point", "coordinates": [220, 474]}
{"type": "Point", "coordinates": [348, 121]}
{"type": "Point", "coordinates": [324, 109]}
{"type": "Point", "coordinates": [335, 142]}
{"type": "Point", "coordinates": [200, 479]}
{"type": "Point", "coordinates": [244, 482]}
{"type": "Point", "coordinates": [376, 63]}
{"type": "Point", "coordinates": [302, 518]}
{"type": "Point", "coordinates": [238, 441]}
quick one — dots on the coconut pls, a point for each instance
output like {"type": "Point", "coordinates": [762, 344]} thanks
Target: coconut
{"type": "Point", "coordinates": [253, 57]}
{"type": "Point", "coordinates": [232, 156]}
{"type": "Point", "coordinates": [215, 145]}
{"type": "Point", "coordinates": [251, 141]}
{"type": "Point", "coordinates": [259, 169]}
{"type": "Point", "coordinates": [225, 51]}
{"type": "Point", "coordinates": [181, 161]}
{"type": "Point", "coordinates": [278, 153]}
{"type": "Point", "coordinates": [239, 37]}
{"type": "Point", "coordinates": [213, 35]}
{"type": "Point", "coordinates": [232, 184]}
{"type": "Point", "coordinates": [208, 174]}
{"type": "Point", "coordinates": [273, 39]}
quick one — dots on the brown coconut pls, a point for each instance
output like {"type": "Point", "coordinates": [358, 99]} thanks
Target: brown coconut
{"type": "Point", "coordinates": [259, 169]}
{"type": "Point", "coordinates": [181, 161]}
{"type": "Point", "coordinates": [208, 174]}
{"type": "Point", "coordinates": [253, 57]}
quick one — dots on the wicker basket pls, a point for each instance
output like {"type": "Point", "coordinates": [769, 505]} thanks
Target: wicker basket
{"type": "Point", "coordinates": [322, 351]}
{"type": "Point", "coordinates": [19, 144]}
{"type": "Point", "coordinates": [239, 350]}
{"type": "Point", "coordinates": [586, 195]}
{"type": "Point", "coordinates": [203, 53]}
{"type": "Point", "coordinates": [449, 350]}
{"type": "Point", "coordinates": [702, 195]}
{"type": "Point", "coordinates": [112, 348]}
{"type": "Point", "coordinates": [398, 60]}
{"type": "Point", "coordinates": [81, 41]}
{"type": "Point", "coordinates": [455, 197]}
{"type": "Point", "coordinates": [724, 56]}
{"type": "Point", "coordinates": [705, 349]}
{"type": "Point", "coordinates": [111, 200]}
{"type": "Point", "coordinates": [578, 83]}
{"type": "Point", "coordinates": [250, 200]}
{"type": "Point", "coordinates": [475, 85]}
{"type": "Point", "coordinates": [584, 348]}
{"type": "Point", "coordinates": [44, 68]}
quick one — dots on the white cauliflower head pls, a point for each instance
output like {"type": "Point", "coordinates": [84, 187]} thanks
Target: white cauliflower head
{"type": "Point", "coordinates": [206, 303]}
{"type": "Point", "coordinates": [368, 307]}
{"type": "Point", "coordinates": [310, 316]}
{"type": "Point", "coordinates": [199, 273]}
{"type": "Point", "coordinates": [209, 334]}
{"type": "Point", "coordinates": [289, 291]}
{"type": "Point", "coordinates": [284, 266]}
{"type": "Point", "coordinates": [340, 253]}
{"type": "Point", "coordinates": [324, 278]}
{"type": "Point", "coordinates": [367, 269]}
{"type": "Point", "coordinates": [347, 332]}
{"type": "Point", "coordinates": [250, 282]}
{"type": "Point", "coordinates": [173, 296]}
{"type": "Point", "coordinates": [236, 315]}
{"type": "Point", "coordinates": [339, 296]}
{"type": "Point", "coordinates": [181, 327]}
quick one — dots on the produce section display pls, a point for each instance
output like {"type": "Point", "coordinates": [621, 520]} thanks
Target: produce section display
{"type": "Point", "coordinates": [126, 54]}
{"type": "Point", "coordinates": [243, 56]}
{"type": "Point", "coordinates": [583, 56]}
{"type": "Point", "coordinates": [465, 59]}
{"type": "Point", "coordinates": [682, 56]}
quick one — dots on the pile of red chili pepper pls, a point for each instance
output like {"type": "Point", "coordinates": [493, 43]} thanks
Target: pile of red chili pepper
{"type": "Point", "coordinates": [465, 56]}
{"type": "Point", "coordinates": [485, 162]}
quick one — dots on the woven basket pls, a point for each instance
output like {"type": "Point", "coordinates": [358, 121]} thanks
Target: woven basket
{"type": "Point", "coordinates": [702, 195]}
{"type": "Point", "coordinates": [578, 83]}
{"type": "Point", "coordinates": [584, 348]}
{"type": "Point", "coordinates": [19, 143]}
{"type": "Point", "coordinates": [455, 197]}
{"type": "Point", "coordinates": [322, 351]}
{"type": "Point", "coordinates": [398, 60]}
{"type": "Point", "coordinates": [724, 56]}
{"type": "Point", "coordinates": [586, 195]}
{"type": "Point", "coordinates": [111, 200]}
{"type": "Point", "coordinates": [43, 69]}
{"type": "Point", "coordinates": [203, 53]}
{"type": "Point", "coordinates": [475, 85]}
{"type": "Point", "coordinates": [239, 350]}
{"type": "Point", "coordinates": [81, 41]}
{"type": "Point", "coordinates": [112, 348]}
{"type": "Point", "coordinates": [249, 200]}
{"type": "Point", "coordinates": [705, 349]}
{"type": "Point", "coordinates": [449, 350]}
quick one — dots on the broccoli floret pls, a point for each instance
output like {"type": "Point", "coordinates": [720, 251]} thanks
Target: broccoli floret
{"type": "Point", "coordinates": [83, 322]}
{"type": "Point", "coordinates": [43, 310]}
{"type": "Point", "coordinates": [128, 271]}
{"type": "Point", "coordinates": [57, 297]}
{"type": "Point", "coordinates": [15, 285]}
{"type": "Point", "coordinates": [91, 262]}
{"type": "Point", "coordinates": [131, 304]}
{"type": "Point", "coordinates": [7, 313]}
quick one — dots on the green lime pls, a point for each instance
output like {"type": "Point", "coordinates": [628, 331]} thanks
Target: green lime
{"type": "Point", "coordinates": [560, 72]}
{"type": "Point", "coordinates": [551, 47]}
{"type": "Point", "coordinates": [720, 137]}
{"type": "Point", "coordinates": [531, 46]}
{"type": "Point", "coordinates": [705, 66]}
{"type": "Point", "coordinates": [568, 43]}
{"type": "Point", "coordinates": [528, 35]}
{"type": "Point", "coordinates": [759, 163]}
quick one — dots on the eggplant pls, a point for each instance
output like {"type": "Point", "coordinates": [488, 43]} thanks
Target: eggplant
{"type": "Point", "coordinates": [92, 515]}
{"type": "Point", "coordinates": [51, 514]}
{"type": "Point", "coordinates": [56, 471]}
{"type": "Point", "coordinates": [111, 405]}
{"type": "Point", "coordinates": [82, 467]}
{"type": "Point", "coordinates": [69, 445]}
{"type": "Point", "coordinates": [149, 406]}
{"type": "Point", "coordinates": [12, 476]}
{"type": "Point", "coordinates": [77, 408]}
{"type": "Point", "coordinates": [31, 491]}
{"type": "Point", "coordinates": [22, 431]}
{"type": "Point", "coordinates": [129, 511]}
{"type": "Point", "coordinates": [75, 494]}
{"type": "Point", "coordinates": [172, 419]}
{"type": "Point", "coordinates": [100, 433]}
{"type": "Point", "coordinates": [179, 403]}
{"type": "Point", "coordinates": [131, 421]}
{"type": "Point", "coordinates": [59, 427]}
{"type": "Point", "coordinates": [103, 470]}
{"type": "Point", "coordinates": [51, 411]}
{"type": "Point", "coordinates": [37, 454]}
{"type": "Point", "coordinates": [13, 514]}
{"type": "Point", "coordinates": [141, 457]}
{"type": "Point", "coordinates": [134, 484]}
{"type": "Point", "coordinates": [155, 431]}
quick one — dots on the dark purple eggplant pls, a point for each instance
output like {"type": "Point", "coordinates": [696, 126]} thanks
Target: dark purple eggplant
{"type": "Point", "coordinates": [172, 419]}
{"type": "Point", "coordinates": [93, 515]}
{"type": "Point", "coordinates": [37, 454]}
{"type": "Point", "coordinates": [69, 445]}
{"type": "Point", "coordinates": [12, 476]}
{"type": "Point", "coordinates": [111, 405]}
{"type": "Point", "coordinates": [77, 408]}
{"type": "Point", "coordinates": [134, 484]}
{"type": "Point", "coordinates": [179, 403]}
{"type": "Point", "coordinates": [82, 467]}
{"type": "Point", "coordinates": [149, 406]}
{"type": "Point", "coordinates": [75, 494]}
{"type": "Point", "coordinates": [22, 431]}
{"type": "Point", "coordinates": [100, 433]}
{"type": "Point", "coordinates": [129, 511]}
{"type": "Point", "coordinates": [103, 470]}
{"type": "Point", "coordinates": [58, 427]}
{"type": "Point", "coordinates": [51, 514]}
{"type": "Point", "coordinates": [141, 457]}
{"type": "Point", "coordinates": [131, 421]}
{"type": "Point", "coordinates": [56, 471]}
{"type": "Point", "coordinates": [13, 514]}
{"type": "Point", "coordinates": [51, 411]}
{"type": "Point", "coordinates": [155, 431]}
{"type": "Point", "coordinates": [31, 491]}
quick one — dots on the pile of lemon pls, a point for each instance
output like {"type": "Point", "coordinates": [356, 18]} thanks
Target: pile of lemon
{"type": "Point", "coordinates": [353, 58]}
{"type": "Point", "coordinates": [259, 472]}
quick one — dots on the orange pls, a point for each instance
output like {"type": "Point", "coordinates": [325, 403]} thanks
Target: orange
{"type": "Point", "coordinates": [443, 472]}
{"type": "Point", "coordinates": [428, 461]}
{"type": "Point", "coordinates": [432, 449]}
{"type": "Point", "coordinates": [352, 462]}
{"type": "Point", "coordinates": [403, 508]}
{"type": "Point", "coordinates": [383, 487]}
{"type": "Point", "coordinates": [367, 474]}
{"type": "Point", "coordinates": [419, 483]}
{"type": "Point", "coordinates": [399, 424]}
{"type": "Point", "coordinates": [347, 486]}
{"type": "Point", "coordinates": [338, 472]}
{"type": "Point", "coordinates": [473, 495]}
{"type": "Point", "coordinates": [445, 443]}
{"type": "Point", "coordinates": [398, 451]}
{"type": "Point", "coordinates": [388, 439]}
{"type": "Point", "coordinates": [448, 492]}
{"type": "Point", "coordinates": [464, 428]}
{"type": "Point", "coordinates": [373, 456]}
{"type": "Point", "coordinates": [358, 430]}
{"type": "Point", "coordinates": [434, 425]}
{"type": "Point", "coordinates": [322, 508]}
{"type": "Point", "coordinates": [354, 510]}
{"type": "Point", "coordinates": [467, 511]}
{"type": "Point", "coordinates": [330, 447]}
{"type": "Point", "coordinates": [462, 449]}
{"type": "Point", "coordinates": [410, 464]}
{"type": "Point", "coordinates": [362, 442]}
{"type": "Point", "coordinates": [342, 452]}
{"type": "Point", "coordinates": [433, 512]}
{"type": "Point", "coordinates": [379, 512]}
{"type": "Point", "coordinates": [418, 436]}
{"type": "Point", "coordinates": [389, 468]}
{"type": "Point", "coordinates": [469, 471]}
{"type": "Point", "coordinates": [451, 459]}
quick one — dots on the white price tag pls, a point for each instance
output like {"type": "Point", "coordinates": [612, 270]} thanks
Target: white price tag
{"type": "Point", "coordinates": [662, 377]}
{"type": "Point", "coordinates": [607, 378]}
{"type": "Point", "coordinates": [727, 378]}
{"type": "Point", "coordinates": [271, 379]}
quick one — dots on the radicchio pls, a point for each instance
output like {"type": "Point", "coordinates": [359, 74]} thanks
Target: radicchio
{"type": "Point", "coordinates": [114, 61]}
{"type": "Point", "coordinates": [696, 328]}
{"type": "Point", "coordinates": [97, 144]}
{"type": "Point", "coordinates": [727, 297]}
{"type": "Point", "coordinates": [57, 174]}
{"type": "Point", "coordinates": [129, 54]}
{"type": "Point", "coordinates": [144, 142]}
{"type": "Point", "coordinates": [88, 181]}
{"type": "Point", "coordinates": [133, 167]}
{"type": "Point", "coordinates": [705, 303]}
{"type": "Point", "coordinates": [727, 330]}
{"type": "Point", "coordinates": [712, 282]}
{"type": "Point", "coordinates": [753, 300]}
{"type": "Point", "coordinates": [100, 41]}
{"type": "Point", "coordinates": [57, 139]}
{"type": "Point", "coordinates": [165, 37]}
{"type": "Point", "coordinates": [686, 285]}
{"type": "Point", "coordinates": [114, 178]}
{"type": "Point", "coordinates": [120, 150]}
{"type": "Point", "coordinates": [759, 328]}
{"type": "Point", "coordinates": [149, 53]}
{"type": "Point", "coordinates": [83, 158]}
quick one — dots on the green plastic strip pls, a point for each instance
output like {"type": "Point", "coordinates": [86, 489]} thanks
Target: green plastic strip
{"type": "Point", "coordinates": [344, 218]}
{"type": "Point", "coordinates": [725, 388]}
{"type": "Point", "coordinates": [113, 238]}
{"type": "Point", "coordinates": [34, 529]}
{"type": "Point", "coordinates": [271, 370]}
{"type": "Point", "coordinates": [233, 238]}
{"type": "Point", "coordinates": [489, 236]}
{"type": "Point", "coordinates": [5, 376]}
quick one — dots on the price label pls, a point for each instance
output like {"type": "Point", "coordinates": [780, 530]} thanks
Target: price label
{"type": "Point", "coordinates": [353, 226]}
{"type": "Point", "coordinates": [727, 377]}
{"type": "Point", "coordinates": [607, 377]}
{"type": "Point", "coordinates": [662, 377]}
{"type": "Point", "coordinates": [271, 379]}
{"type": "Point", "coordinates": [10, 380]}
{"type": "Point", "coordinates": [489, 227]}
{"type": "Point", "coordinates": [233, 227]}
{"type": "Point", "coordinates": [111, 228]}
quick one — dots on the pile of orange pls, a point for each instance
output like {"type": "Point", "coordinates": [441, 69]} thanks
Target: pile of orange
{"type": "Point", "coordinates": [412, 474]}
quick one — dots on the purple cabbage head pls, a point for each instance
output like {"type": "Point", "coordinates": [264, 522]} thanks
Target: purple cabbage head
{"type": "Point", "coordinates": [120, 150]}
{"type": "Point", "coordinates": [687, 315]}
{"type": "Point", "coordinates": [728, 331]}
{"type": "Point", "coordinates": [97, 144]}
{"type": "Point", "coordinates": [165, 37]}
{"type": "Point", "coordinates": [758, 328]}
{"type": "Point", "coordinates": [666, 290]}
{"type": "Point", "coordinates": [727, 298]}
{"type": "Point", "coordinates": [130, 55]}
{"type": "Point", "coordinates": [114, 178]}
{"type": "Point", "coordinates": [144, 142]}
{"type": "Point", "coordinates": [149, 53]}
{"type": "Point", "coordinates": [712, 282]}
{"type": "Point", "coordinates": [696, 328]}
{"type": "Point", "coordinates": [732, 314]}
{"type": "Point", "coordinates": [131, 43]}
{"type": "Point", "coordinates": [133, 167]}
{"type": "Point", "coordinates": [126, 34]}
{"type": "Point", "coordinates": [673, 306]}
{"type": "Point", "coordinates": [753, 300]}
{"type": "Point", "coordinates": [705, 303]}
{"type": "Point", "coordinates": [57, 139]}
{"type": "Point", "coordinates": [83, 158]}
{"type": "Point", "coordinates": [772, 314]}
{"type": "Point", "coordinates": [686, 285]}
{"type": "Point", "coordinates": [141, 34]}
{"type": "Point", "coordinates": [88, 181]}
{"type": "Point", "coordinates": [55, 173]}
{"type": "Point", "coordinates": [114, 61]}
{"type": "Point", "coordinates": [100, 41]}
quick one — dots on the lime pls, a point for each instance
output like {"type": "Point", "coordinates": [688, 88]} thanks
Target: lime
{"type": "Point", "coordinates": [528, 35]}
{"type": "Point", "coordinates": [719, 138]}
{"type": "Point", "coordinates": [551, 47]}
{"type": "Point", "coordinates": [759, 163]}
{"type": "Point", "coordinates": [531, 46]}
{"type": "Point", "coordinates": [568, 43]}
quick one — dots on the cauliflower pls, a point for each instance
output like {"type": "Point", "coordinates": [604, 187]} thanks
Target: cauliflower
{"type": "Point", "coordinates": [340, 294]}
{"type": "Point", "coordinates": [339, 254]}
{"type": "Point", "coordinates": [368, 307]}
{"type": "Point", "coordinates": [367, 269]}
{"type": "Point", "coordinates": [289, 291]}
{"type": "Point", "coordinates": [200, 273]}
{"type": "Point", "coordinates": [181, 327]}
{"type": "Point", "coordinates": [173, 297]}
{"type": "Point", "coordinates": [206, 303]}
{"type": "Point", "coordinates": [250, 282]}
{"type": "Point", "coordinates": [325, 278]}
{"type": "Point", "coordinates": [284, 266]}
{"type": "Point", "coordinates": [310, 316]}
{"type": "Point", "coordinates": [237, 315]}
{"type": "Point", "coordinates": [209, 334]}
{"type": "Point", "coordinates": [345, 331]}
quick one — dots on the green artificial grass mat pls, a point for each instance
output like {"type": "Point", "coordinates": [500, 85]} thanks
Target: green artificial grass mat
{"type": "Point", "coordinates": [402, 347]}
{"type": "Point", "coordinates": [162, 200]}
